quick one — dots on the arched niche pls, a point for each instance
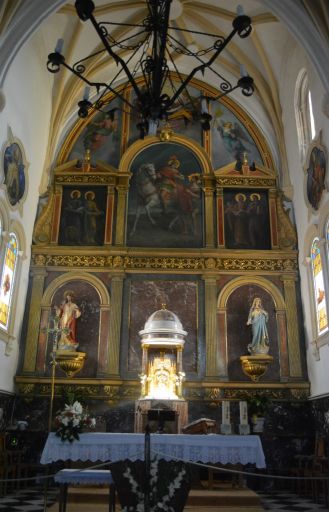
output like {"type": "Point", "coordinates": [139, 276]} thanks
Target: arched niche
{"type": "Point", "coordinates": [92, 298]}
{"type": "Point", "coordinates": [233, 305]}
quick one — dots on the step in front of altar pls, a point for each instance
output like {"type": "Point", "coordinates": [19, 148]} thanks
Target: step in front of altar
{"type": "Point", "coordinates": [200, 500]}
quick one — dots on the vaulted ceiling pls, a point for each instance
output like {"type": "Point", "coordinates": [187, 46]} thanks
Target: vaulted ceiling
{"type": "Point", "coordinates": [276, 28]}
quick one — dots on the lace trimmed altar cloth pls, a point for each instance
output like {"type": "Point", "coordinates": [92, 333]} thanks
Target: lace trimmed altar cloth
{"type": "Point", "coordinates": [104, 447]}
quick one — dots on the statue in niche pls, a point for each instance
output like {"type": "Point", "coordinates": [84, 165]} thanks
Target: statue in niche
{"type": "Point", "coordinates": [67, 314]}
{"type": "Point", "coordinates": [258, 318]}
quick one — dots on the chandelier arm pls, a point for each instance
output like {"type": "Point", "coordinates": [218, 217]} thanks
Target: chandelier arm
{"type": "Point", "coordinates": [98, 85]}
{"type": "Point", "coordinates": [159, 58]}
{"type": "Point", "coordinates": [116, 57]}
{"type": "Point", "coordinates": [203, 66]}
{"type": "Point", "coordinates": [127, 47]}
{"type": "Point", "coordinates": [192, 102]}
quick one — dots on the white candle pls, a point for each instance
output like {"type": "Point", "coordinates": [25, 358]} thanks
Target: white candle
{"type": "Point", "coordinates": [239, 10]}
{"type": "Point", "coordinates": [226, 419]}
{"type": "Point", "coordinates": [204, 106]}
{"type": "Point", "coordinates": [59, 46]}
{"type": "Point", "coordinates": [243, 413]}
{"type": "Point", "coordinates": [86, 93]}
{"type": "Point", "coordinates": [243, 71]}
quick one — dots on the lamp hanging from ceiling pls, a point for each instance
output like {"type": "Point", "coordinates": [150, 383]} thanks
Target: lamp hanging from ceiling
{"type": "Point", "coordinates": [153, 47]}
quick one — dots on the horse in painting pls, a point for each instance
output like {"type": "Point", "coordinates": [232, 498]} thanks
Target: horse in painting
{"type": "Point", "coordinates": [147, 193]}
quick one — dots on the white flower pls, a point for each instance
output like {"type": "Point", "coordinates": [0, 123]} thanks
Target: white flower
{"type": "Point", "coordinates": [75, 422]}
{"type": "Point", "coordinates": [77, 408]}
{"type": "Point", "coordinates": [65, 421]}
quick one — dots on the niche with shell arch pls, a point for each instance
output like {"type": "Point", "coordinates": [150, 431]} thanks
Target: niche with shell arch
{"type": "Point", "coordinates": [235, 301]}
{"type": "Point", "coordinates": [92, 299]}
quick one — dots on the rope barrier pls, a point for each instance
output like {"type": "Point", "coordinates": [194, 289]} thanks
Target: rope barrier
{"type": "Point", "coordinates": [235, 471]}
{"type": "Point", "coordinates": [172, 457]}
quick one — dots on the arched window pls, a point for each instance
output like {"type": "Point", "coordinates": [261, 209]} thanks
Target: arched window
{"type": "Point", "coordinates": [319, 288]}
{"type": "Point", "coordinates": [7, 280]}
{"type": "Point", "coordinates": [304, 113]}
{"type": "Point", "coordinates": [327, 242]}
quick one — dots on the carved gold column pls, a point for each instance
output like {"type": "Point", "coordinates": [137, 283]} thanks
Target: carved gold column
{"type": "Point", "coordinates": [295, 367]}
{"type": "Point", "coordinates": [121, 215]}
{"type": "Point", "coordinates": [273, 218]}
{"type": "Point", "coordinates": [220, 217]}
{"type": "Point", "coordinates": [212, 354]}
{"type": "Point", "coordinates": [113, 368]}
{"type": "Point", "coordinates": [31, 347]}
{"type": "Point", "coordinates": [222, 343]}
{"type": "Point", "coordinates": [283, 344]}
{"type": "Point", "coordinates": [110, 201]}
{"type": "Point", "coordinates": [209, 210]}
{"type": "Point", "coordinates": [56, 215]}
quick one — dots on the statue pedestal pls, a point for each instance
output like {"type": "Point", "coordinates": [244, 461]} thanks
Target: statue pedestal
{"type": "Point", "coordinates": [180, 407]}
{"type": "Point", "coordinates": [255, 366]}
{"type": "Point", "coordinates": [70, 361]}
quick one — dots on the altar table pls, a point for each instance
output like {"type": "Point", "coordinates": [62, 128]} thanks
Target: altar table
{"type": "Point", "coordinates": [211, 448]}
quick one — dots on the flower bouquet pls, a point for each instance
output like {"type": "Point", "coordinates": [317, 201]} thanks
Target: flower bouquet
{"type": "Point", "coordinates": [168, 485]}
{"type": "Point", "coordinates": [71, 421]}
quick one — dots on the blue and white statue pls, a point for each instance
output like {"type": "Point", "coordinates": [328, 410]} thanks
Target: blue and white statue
{"type": "Point", "coordinates": [258, 318]}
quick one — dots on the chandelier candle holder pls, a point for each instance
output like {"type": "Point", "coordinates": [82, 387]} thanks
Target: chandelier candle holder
{"type": "Point", "coordinates": [152, 47]}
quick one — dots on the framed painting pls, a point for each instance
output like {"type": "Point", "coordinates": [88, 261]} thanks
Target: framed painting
{"type": "Point", "coordinates": [101, 136]}
{"type": "Point", "coordinates": [316, 176]}
{"type": "Point", "coordinates": [247, 224]}
{"type": "Point", "coordinates": [82, 216]}
{"type": "Point", "coordinates": [165, 206]}
{"type": "Point", "coordinates": [14, 166]}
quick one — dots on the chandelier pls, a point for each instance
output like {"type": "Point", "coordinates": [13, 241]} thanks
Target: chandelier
{"type": "Point", "coordinates": [152, 47]}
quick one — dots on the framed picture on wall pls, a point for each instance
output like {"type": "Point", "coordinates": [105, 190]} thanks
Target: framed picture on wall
{"type": "Point", "coordinates": [315, 175]}
{"type": "Point", "coordinates": [83, 216]}
{"type": "Point", "coordinates": [14, 171]}
{"type": "Point", "coordinates": [247, 223]}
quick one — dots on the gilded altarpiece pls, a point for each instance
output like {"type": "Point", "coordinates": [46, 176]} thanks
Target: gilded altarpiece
{"type": "Point", "coordinates": [184, 250]}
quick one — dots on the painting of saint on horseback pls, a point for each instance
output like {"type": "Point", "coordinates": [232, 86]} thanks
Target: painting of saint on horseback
{"type": "Point", "coordinates": [165, 198]}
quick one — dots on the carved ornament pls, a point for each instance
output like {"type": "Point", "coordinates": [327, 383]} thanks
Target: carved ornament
{"type": "Point", "coordinates": [42, 228]}
{"type": "Point", "coordinates": [244, 181]}
{"type": "Point", "coordinates": [286, 230]}
{"type": "Point", "coordinates": [118, 390]}
{"type": "Point", "coordinates": [168, 263]}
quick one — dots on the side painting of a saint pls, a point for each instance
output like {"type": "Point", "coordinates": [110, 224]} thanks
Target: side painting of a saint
{"type": "Point", "coordinates": [14, 173]}
{"type": "Point", "coordinates": [83, 216]}
{"type": "Point", "coordinates": [101, 136]}
{"type": "Point", "coordinates": [247, 224]}
{"type": "Point", "coordinates": [165, 201]}
{"type": "Point", "coordinates": [230, 138]}
{"type": "Point", "coordinates": [316, 174]}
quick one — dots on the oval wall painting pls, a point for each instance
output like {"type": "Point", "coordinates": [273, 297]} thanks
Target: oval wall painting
{"type": "Point", "coordinates": [14, 170]}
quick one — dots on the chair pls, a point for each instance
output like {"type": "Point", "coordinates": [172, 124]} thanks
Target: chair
{"type": "Point", "coordinates": [310, 466]}
{"type": "Point", "coordinates": [7, 470]}
{"type": "Point", "coordinates": [67, 477]}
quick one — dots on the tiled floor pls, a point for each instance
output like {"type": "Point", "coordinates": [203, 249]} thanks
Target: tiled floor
{"type": "Point", "coordinates": [289, 502]}
{"type": "Point", "coordinates": [31, 500]}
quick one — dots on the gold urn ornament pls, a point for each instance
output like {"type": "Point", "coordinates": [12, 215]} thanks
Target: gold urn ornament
{"type": "Point", "coordinates": [70, 361]}
{"type": "Point", "coordinates": [256, 365]}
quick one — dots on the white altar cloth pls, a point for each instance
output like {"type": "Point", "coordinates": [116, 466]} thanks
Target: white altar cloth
{"type": "Point", "coordinates": [211, 448]}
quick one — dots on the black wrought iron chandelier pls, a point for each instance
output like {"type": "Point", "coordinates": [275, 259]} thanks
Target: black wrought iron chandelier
{"type": "Point", "coordinates": [155, 41]}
